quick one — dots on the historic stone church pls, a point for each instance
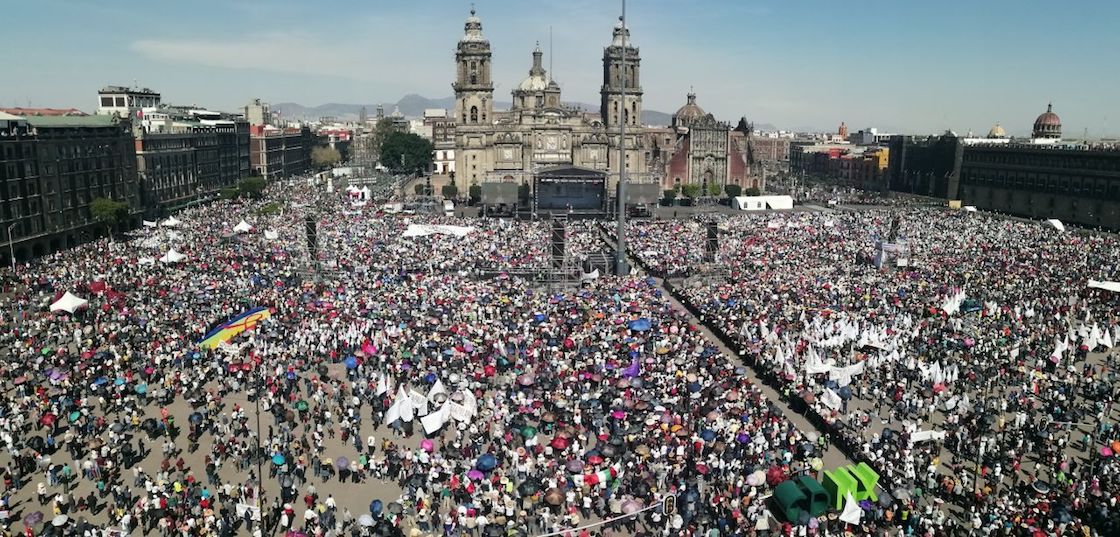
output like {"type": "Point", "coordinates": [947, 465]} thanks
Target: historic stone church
{"type": "Point", "coordinates": [539, 131]}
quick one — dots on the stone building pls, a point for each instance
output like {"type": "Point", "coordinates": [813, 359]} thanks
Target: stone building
{"type": "Point", "coordinates": [704, 151]}
{"type": "Point", "coordinates": [539, 130]}
{"type": "Point", "coordinates": [51, 169]}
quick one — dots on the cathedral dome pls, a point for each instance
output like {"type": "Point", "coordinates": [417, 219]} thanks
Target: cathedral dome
{"type": "Point", "coordinates": [536, 81]}
{"type": "Point", "coordinates": [690, 111]}
{"type": "Point", "coordinates": [997, 132]}
{"type": "Point", "coordinates": [1048, 125]}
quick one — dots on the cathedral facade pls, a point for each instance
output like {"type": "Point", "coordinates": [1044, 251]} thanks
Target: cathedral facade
{"type": "Point", "coordinates": [539, 131]}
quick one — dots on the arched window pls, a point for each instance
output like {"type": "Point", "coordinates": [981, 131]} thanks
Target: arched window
{"type": "Point", "coordinates": [634, 111]}
{"type": "Point", "coordinates": [474, 114]}
{"type": "Point", "coordinates": [626, 116]}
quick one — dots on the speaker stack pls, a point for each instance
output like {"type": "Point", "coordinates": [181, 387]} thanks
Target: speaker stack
{"type": "Point", "coordinates": [312, 235]}
{"type": "Point", "coordinates": [711, 246]}
{"type": "Point", "coordinates": [559, 235]}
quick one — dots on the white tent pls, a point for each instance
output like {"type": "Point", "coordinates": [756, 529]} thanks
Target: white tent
{"type": "Point", "coordinates": [271, 235]}
{"type": "Point", "coordinates": [243, 227]}
{"type": "Point", "coordinates": [366, 193]}
{"type": "Point", "coordinates": [419, 230]}
{"type": "Point", "coordinates": [761, 203]}
{"type": "Point", "coordinates": [1107, 286]}
{"type": "Point", "coordinates": [148, 223]}
{"type": "Point", "coordinates": [1056, 224]}
{"type": "Point", "coordinates": [171, 222]}
{"type": "Point", "coordinates": [69, 303]}
{"type": "Point", "coordinates": [146, 261]}
{"type": "Point", "coordinates": [172, 257]}
{"type": "Point", "coordinates": [969, 208]}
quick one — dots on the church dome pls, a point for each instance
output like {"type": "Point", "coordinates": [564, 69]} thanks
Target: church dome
{"type": "Point", "coordinates": [1048, 125]}
{"type": "Point", "coordinates": [997, 132]}
{"type": "Point", "coordinates": [536, 81]}
{"type": "Point", "coordinates": [690, 111]}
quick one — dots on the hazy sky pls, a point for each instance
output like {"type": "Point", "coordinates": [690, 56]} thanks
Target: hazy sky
{"type": "Point", "coordinates": [901, 66]}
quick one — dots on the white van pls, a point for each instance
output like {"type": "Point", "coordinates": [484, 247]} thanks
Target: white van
{"type": "Point", "coordinates": [448, 208]}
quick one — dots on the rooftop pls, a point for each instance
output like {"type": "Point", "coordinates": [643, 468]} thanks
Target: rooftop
{"type": "Point", "coordinates": [123, 89]}
{"type": "Point", "coordinates": [27, 112]}
{"type": "Point", "coordinates": [71, 121]}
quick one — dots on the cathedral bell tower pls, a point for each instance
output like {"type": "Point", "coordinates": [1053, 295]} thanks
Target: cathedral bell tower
{"type": "Point", "coordinates": [616, 77]}
{"type": "Point", "coordinates": [474, 89]}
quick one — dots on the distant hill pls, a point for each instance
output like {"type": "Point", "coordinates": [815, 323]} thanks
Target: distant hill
{"type": "Point", "coordinates": [413, 106]}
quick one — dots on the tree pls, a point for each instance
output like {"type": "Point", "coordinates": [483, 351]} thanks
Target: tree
{"type": "Point", "coordinates": [228, 193]}
{"type": "Point", "coordinates": [405, 152]}
{"type": "Point", "coordinates": [475, 192]}
{"type": "Point", "coordinates": [691, 190]}
{"type": "Point", "coordinates": [670, 195]}
{"type": "Point", "coordinates": [713, 189]}
{"type": "Point", "coordinates": [752, 191]}
{"type": "Point", "coordinates": [449, 191]}
{"type": "Point", "coordinates": [252, 187]}
{"type": "Point", "coordinates": [418, 188]}
{"type": "Point", "coordinates": [381, 131]}
{"type": "Point", "coordinates": [733, 190]}
{"type": "Point", "coordinates": [324, 156]}
{"type": "Point", "coordinates": [108, 212]}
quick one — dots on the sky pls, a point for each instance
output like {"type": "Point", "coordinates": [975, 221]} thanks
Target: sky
{"type": "Point", "coordinates": [899, 66]}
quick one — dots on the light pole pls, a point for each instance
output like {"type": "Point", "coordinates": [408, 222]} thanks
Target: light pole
{"type": "Point", "coordinates": [620, 262]}
{"type": "Point", "coordinates": [11, 245]}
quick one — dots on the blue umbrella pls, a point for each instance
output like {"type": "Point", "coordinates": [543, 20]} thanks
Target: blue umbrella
{"type": "Point", "coordinates": [708, 435]}
{"type": "Point", "coordinates": [196, 417]}
{"type": "Point", "coordinates": [278, 459]}
{"type": "Point", "coordinates": [540, 317]}
{"type": "Point", "coordinates": [845, 393]}
{"type": "Point", "coordinates": [291, 375]}
{"type": "Point", "coordinates": [375, 507]}
{"type": "Point", "coordinates": [101, 381]}
{"type": "Point", "coordinates": [486, 462]}
{"type": "Point", "coordinates": [141, 388]}
{"type": "Point", "coordinates": [640, 325]}
{"type": "Point", "coordinates": [351, 362]}
{"type": "Point", "coordinates": [118, 382]}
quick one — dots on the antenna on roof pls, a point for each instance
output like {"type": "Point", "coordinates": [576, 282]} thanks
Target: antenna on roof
{"type": "Point", "coordinates": [550, 52]}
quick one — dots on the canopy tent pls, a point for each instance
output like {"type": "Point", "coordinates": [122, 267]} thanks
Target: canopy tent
{"type": "Point", "coordinates": [271, 235]}
{"type": "Point", "coordinates": [969, 208]}
{"type": "Point", "coordinates": [1056, 224]}
{"type": "Point", "coordinates": [172, 257]}
{"type": "Point", "coordinates": [69, 303]}
{"type": "Point", "coordinates": [146, 261]}
{"type": "Point", "coordinates": [171, 222]}
{"type": "Point", "coordinates": [148, 223]}
{"type": "Point", "coordinates": [243, 227]}
{"type": "Point", "coordinates": [1107, 286]}
{"type": "Point", "coordinates": [418, 230]}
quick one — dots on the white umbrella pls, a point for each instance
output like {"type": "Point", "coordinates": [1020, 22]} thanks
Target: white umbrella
{"type": "Point", "coordinates": [60, 521]}
{"type": "Point", "coordinates": [171, 222]}
{"type": "Point", "coordinates": [365, 520]}
{"type": "Point", "coordinates": [172, 257]}
{"type": "Point", "coordinates": [243, 227]}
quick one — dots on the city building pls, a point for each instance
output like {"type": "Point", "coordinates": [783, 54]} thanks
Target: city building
{"type": "Point", "coordinates": [1048, 126]}
{"type": "Point", "coordinates": [185, 155]}
{"type": "Point", "coordinates": [51, 169]}
{"type": "Point", "coordinates": [258, 113]}
{"type": "Point", "coordinates": [443, 139]}
{"type": "Point", "coordinates": [276, 152]}
{"type": "Point", "coordinates": [125, 102]}
{"type": "Point", "coordinates": [704, 151]}
{"type": "Point", "coordinates": [925, 165]}
{"type": "Point", "coordinates": [540, 131]}
{"type": "Point", "coordinates": [25, 112]}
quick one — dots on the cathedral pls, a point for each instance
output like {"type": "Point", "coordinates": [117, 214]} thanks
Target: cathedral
{"type": "Point", "coordinates": [539, 131]}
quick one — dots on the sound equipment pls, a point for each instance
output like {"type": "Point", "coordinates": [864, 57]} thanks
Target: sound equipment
{"type": "Point", "coordinates": [312, 227]}
{"type": "Point", "coordinates": [711, 246]}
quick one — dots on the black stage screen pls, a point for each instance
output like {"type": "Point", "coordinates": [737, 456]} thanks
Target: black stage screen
{"type": "Point", "coordinates": [581, 194]}
{"type": "Point", "coordinates": [499, 193]}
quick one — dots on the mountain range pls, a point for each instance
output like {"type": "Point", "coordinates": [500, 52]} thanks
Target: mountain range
{"type": "Point", "coordinates": [413, 106]}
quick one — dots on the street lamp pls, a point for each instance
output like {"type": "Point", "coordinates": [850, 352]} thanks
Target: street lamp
{"type": "Point", "coordinates": [11, 245]}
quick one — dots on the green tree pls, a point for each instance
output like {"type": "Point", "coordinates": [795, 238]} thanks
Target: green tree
{"type": "Point", "coordinates": [418, 188]}
{"type": "Point", "coordinates": [405, 152]}
{"type": "Point", "coordinates": [733, 190]}
{"type": "Point", "coordinates": [691, 190]}
{"type": "Point", "coordinates": [475, 192]}
{"type": "Point", "coordinates": [449, 191]}
{"type": "Point", "coordinates": [228, 193]}
{"type": "Point", "coordinates": [252, 187]}
{"type": "Point", "coordinates": [381, 131]}
{"type": "Point", "coordinates": [670, 195]}
{"type": "Point", "coordinates": [752, 191]}
{"type": "Point", "coordinates": [713, 189]}
{"type": "Point", "coordinates": [108, 212]}
{"type": "Point", "coordinates": [324, 156]}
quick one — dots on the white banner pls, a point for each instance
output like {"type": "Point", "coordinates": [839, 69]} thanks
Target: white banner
{"type": "Point", "coordinates": [419, 402]}
{"type": "Point", "coordinates": [923, 436]}
{"type": "Point", "coordinates": [831, 399]}
{"type": "Point", "coordinates": [419, 230]}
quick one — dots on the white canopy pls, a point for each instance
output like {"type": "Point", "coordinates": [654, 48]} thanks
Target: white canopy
{"type": "Point", "coordinates": [969, 208]}
{"type": "Point", "coordinates": [148, 223]}
{"type": "Point", "coordinates": [1107, 286]}
{"type": "Point", "coordinates": [418, 230]}
{"type": "Point", "coordinates": [172, 257]}
{"type": "Point", "coordinates": [760, 203]}
{"type": "Point", "coordinates": [1056, 224]}
{"type": "Point", "coordinates": [171, 222]}
{"type": "Point", "coordinates": [146, 261]}
{"type": "Point", "coordinates": [243, 227]}
{"type": "Point", "coordinates": [271, 234]}
{"type": "Point", "coordinates": [69, 303]}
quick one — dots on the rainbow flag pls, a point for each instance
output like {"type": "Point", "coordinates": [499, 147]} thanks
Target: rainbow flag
{"type": "Point", "coordinates": [225, 331]}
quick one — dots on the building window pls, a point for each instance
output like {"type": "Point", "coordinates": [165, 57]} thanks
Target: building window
{"type": "Point", "coordinates": [474, 114]}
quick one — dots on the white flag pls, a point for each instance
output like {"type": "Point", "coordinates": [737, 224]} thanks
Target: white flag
{"type": "Point", "coordinates": [437, 389]}
{"type": "Point", "coordinates": [852, 512]}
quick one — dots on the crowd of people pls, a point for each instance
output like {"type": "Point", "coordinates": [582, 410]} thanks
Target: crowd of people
{"type": "Point", "coordinates": [978, 373]}
{"type": "Point", "coordinates": [389, 389]}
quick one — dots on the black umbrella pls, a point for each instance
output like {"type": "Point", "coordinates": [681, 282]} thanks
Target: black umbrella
{"type": "Point", "coordinates": [528, 488]}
